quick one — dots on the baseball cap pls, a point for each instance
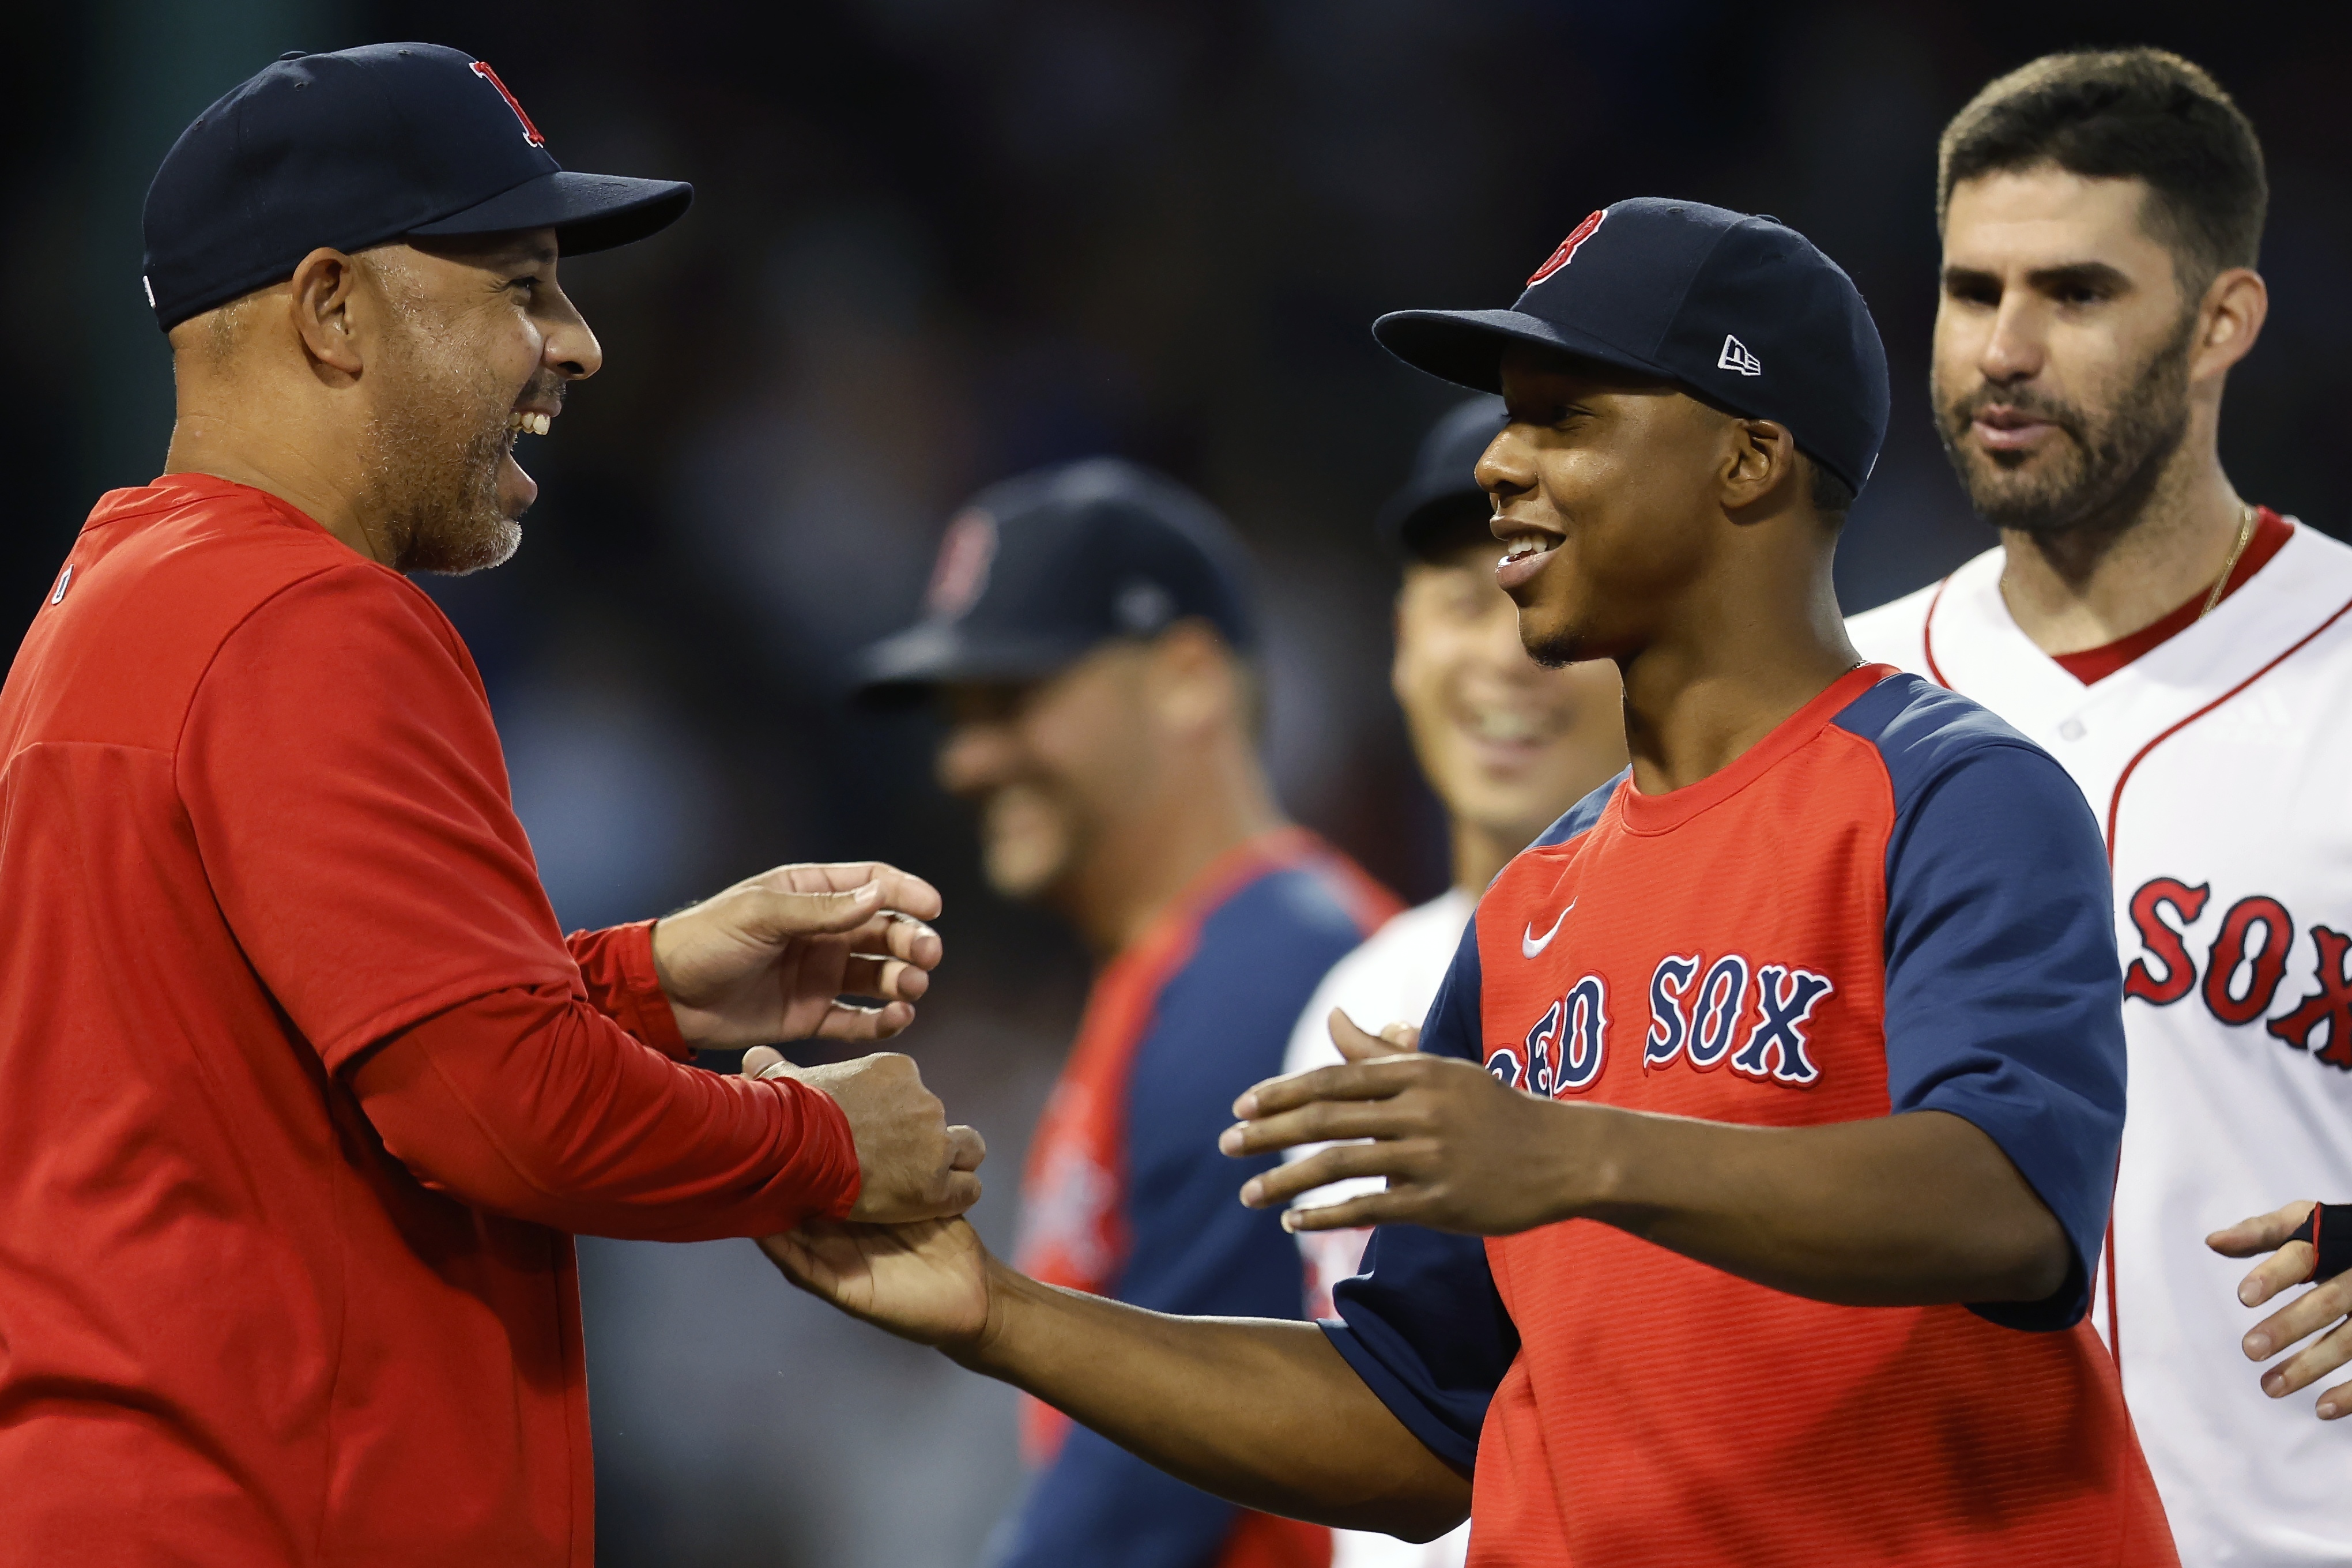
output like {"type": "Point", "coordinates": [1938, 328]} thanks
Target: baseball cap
{"type": "Point", "coordinates": [1037, 571]}
{"type": "Point", "coordinates": [361, 146]}
{"type": "Point", "coordinates": [1743, 312]}
{"type": "Point", "coordinates": [1440, 499]}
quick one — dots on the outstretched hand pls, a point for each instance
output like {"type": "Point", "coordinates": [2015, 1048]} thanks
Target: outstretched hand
{"type": "Point", "coordinates": [2321, 1310]}
{"type": "Point", "coordinates": [1460, 1150]}
{"type": "Point", "coordinates": [772, 957]}
{"type": "Point", "coordinates": [927, 1282]}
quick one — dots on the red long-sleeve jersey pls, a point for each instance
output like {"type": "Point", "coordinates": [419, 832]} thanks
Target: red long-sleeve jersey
{"type": "Point", "coordinates": [301, 1087]}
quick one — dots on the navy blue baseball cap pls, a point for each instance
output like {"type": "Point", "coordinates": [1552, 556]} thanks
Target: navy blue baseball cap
{"type": "Point", "coordinates": [359, 147]}
{"type": "Point", "coordinates": [1441, 502]}
{"type": "Point", "coordinates": [1038, 571]}
{"type": "Point", "coordinates": [1742, 312]}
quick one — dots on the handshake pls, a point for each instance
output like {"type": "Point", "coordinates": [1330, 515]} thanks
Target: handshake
{"type": "Point", "coordinates": [773, 957]}
{"type": "Point", "coordinates": [911, 1165]}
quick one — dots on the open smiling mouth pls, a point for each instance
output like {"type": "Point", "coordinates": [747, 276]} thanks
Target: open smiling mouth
{"type": "Point", "coordinates": [1524, 546]}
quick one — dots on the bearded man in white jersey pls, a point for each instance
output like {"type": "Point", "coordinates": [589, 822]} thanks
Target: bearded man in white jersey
{"type": "Point", "coordinates": [1508, 746]}
{"type": "Point", "coordinates": [2187, 655]}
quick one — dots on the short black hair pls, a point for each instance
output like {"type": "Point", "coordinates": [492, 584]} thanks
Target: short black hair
{"type": "Point", "coordinates": [2137, 113]}
{"type": "Point", "coordinates": [1832, 498]}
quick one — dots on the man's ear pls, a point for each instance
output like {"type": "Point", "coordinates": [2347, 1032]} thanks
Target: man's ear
{"type": "Point", "coordinates": [1761, 466]}
{"type": "Point", "coordinates": [1193, 681]}
{"type": "Point", "coordinates": [2229, 320]}
{"type": "Point", "coordinates": [320, 299]}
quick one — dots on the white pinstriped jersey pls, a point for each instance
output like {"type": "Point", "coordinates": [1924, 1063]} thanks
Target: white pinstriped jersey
{"type": "Point", "coordinates": [1391, 978]}
{"type": "Point", "coordinates": [2221, 766]}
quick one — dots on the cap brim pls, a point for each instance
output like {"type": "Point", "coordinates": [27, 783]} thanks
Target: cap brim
{"type": "Point", "coordinates": [588, 211]}
{"type": "Point", "coordinates": [907, 668]}
{"type": "Point", "coordinates": [1465, 347]}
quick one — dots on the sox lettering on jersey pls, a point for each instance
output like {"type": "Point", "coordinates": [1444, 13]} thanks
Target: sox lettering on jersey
{"type": "Point", "coordinates": [1691, 1018]}
{"type": "Point", "coordinates": [2243, 970]}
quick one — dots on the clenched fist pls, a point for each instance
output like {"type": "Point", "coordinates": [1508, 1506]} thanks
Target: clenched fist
{"type": "Point", "coordinates": [911, 1165]}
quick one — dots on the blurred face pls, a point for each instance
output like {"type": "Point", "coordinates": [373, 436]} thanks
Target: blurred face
{"type": "Point", "coordinates": [2062, 343]}
{"type": "Point", "coordinates": [1048, 763]}
{"type": "Point", "coordinates": [1507, 743]}
{"type": "Point", "coordinates": [1605, 496]}
{"type": "Point", "coordinates": [480, 343]}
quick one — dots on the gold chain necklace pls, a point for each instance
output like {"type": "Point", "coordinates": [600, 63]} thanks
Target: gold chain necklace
{"type": "Point", "coordinates": [2221, 584]}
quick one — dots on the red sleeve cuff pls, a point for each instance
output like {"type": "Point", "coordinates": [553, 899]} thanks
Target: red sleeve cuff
{"type": "Point", "coordinates": [616, 965]}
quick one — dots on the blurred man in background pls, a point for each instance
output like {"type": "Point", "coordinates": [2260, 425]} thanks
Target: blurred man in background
{"type": "Point", "coordinates": [1092, 629]}
{"type": "Point", "coordinates": [302, 1088]}
{"type": "Point", "coordinates": [2187, 655]}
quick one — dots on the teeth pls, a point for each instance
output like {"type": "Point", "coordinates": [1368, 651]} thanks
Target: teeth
{"type": "Point", "coordinates": [530, 424]}
{"type": "Point", "coordinates": [1492, 724]}
{"type": "Point", "coordinates": [1520, 547]}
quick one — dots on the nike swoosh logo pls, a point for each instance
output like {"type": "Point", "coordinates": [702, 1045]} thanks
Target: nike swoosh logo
{"type": "Point", "coordinates": [1531, 944]}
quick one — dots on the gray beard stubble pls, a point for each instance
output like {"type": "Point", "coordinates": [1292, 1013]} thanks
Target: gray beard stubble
{"type": "Point", "coordinates": [432, 458]}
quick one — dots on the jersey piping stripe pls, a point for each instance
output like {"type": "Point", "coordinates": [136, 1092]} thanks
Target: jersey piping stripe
{"type": "Point", "coordinates": [1927, 638]}
{"type": "Point", "coordinates": [2115, 809]}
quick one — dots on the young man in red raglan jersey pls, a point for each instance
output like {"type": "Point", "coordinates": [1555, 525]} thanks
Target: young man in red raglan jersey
{"type": "Point", "coordinates": [302, 1086]}
{"type": "Point", "coordinates": [1782, 1079]}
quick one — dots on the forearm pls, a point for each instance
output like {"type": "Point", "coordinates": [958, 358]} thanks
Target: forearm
{"type": "Point", "coordinates": [1913, 1209]}
{"type": "Point", "coordinates": [1264, 1413]}
{"type": "Point", "coordinates": [530, 1104]}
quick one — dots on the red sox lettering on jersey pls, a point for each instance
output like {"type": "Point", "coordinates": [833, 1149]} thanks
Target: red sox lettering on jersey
{"type": "Point", "coordinates": [1692, 1020]}
{"type": "Point", "coordinates": [2214, 761]}
{"type": "Point", "coordinates": [2244, 968]}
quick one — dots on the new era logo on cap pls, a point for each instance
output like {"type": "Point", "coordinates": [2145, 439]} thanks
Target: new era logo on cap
{"type": "Point", "coordinates": [1735, 356]}
{"type": "Point", "coordinates": [1567, 247]}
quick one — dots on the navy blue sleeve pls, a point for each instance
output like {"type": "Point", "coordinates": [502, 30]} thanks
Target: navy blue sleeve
{"type": "Point", "coordinates": [1223, 1024]}
{"type": "Point", "coordinates": [2004, 995]}
{"type": "Point", "coordinates": [1423, 1325]}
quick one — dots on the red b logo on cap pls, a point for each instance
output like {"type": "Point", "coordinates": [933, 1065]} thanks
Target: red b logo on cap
{"type": "Point", "coordinates": [529, 131]}
{"type": "Point", "coordinates": [960, 575]}
{"type": "Point", "coordinates": [1558, 259]}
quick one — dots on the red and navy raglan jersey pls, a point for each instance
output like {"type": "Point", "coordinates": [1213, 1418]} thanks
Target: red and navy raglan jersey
{"type": "Point", "coordinates": [1892, 903]}
{"type": "Point", "coordinates": [1127, 1194]}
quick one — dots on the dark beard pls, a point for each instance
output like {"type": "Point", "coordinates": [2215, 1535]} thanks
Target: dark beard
{"type": "Point", "coordinates": [433, 458]}
{"type": "Point", "coordinates": [2113, 462]}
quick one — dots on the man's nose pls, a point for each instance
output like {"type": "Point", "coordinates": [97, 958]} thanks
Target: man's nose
{"type": "Point", "coordinates": [1504, 468]}
{"type": "Point", "coordinates": [571, 350]}
{"type": "Point", "coordinates": [974, 757]}
{"type": "Point", "coordinates": [2013, 350]}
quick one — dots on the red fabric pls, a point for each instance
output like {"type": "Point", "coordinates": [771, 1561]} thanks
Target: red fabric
{"type": "Point", "coordinates": [2092, 665]}
{"type": "Point", "coordinates": [1270, 1541]}
{"type": "Point", "coordinates": [1076, 1233]}
{"type": "Point", "coordinates": [618, 968]}
{"type": "Point", "coordinates": [254, 833]}
{"type": "Point", "coordinates": [1609, 1440]}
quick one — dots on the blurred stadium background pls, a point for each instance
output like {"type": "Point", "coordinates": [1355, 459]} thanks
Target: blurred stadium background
{"type": "Point", "coordinates": [939, 241]}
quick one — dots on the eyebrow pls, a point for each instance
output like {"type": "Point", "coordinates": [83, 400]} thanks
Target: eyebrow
{"type": "Point", "coordinates": [2096, 275]}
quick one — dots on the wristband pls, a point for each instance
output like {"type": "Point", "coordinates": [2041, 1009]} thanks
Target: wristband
{"type": "Point", "coordinates": [2328, 1228]}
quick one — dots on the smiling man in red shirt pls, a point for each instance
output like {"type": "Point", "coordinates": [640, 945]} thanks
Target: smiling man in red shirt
{"type": "Point", "coordinates": [302, 1086]}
